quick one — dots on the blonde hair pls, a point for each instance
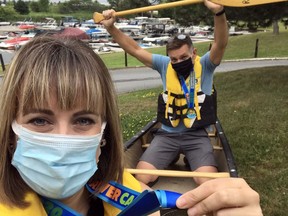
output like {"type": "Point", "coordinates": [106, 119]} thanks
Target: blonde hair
{"type": "Point", "coordinates": [77, 76]}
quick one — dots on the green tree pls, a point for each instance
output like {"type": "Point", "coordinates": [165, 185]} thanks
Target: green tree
{"type": "Point", "coordinates": [7, 13]}
{"type": "Point", "coordinates": [34, 6]}
{"type": "Point", "coordinates": [115, 4]}
{"type": "Point", "coordinates": [250, 17]}
{"type": "Point", "coordinates": [259, 16]}
{"type": "Point", "coordinates": [77, 5]}
{"type": "Point", "coordinates": [43, 5]}
{"type": "Point", "coordinates": [188, 15]}
{"type": "Point", "coordinates": [120, 5]}
{"type": "Point", "coordinates": [21, 7]}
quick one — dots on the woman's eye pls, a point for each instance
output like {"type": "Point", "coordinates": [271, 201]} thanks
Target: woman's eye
{"type": "Point", "coordinates": [84, 121]}
{"type": "Point", "coordinates": [38, 122]}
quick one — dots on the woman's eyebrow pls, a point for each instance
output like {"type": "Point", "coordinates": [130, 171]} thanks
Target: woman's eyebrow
{"type": "Point", "coordinates": [34, 110]}
{"type": "Point", "coordinates": [85, 112]}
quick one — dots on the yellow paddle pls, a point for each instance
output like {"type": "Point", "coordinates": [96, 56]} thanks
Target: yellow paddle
{"type": "Point", "coordinates": [174, 173]}
{"type": "Point", "coordinates": [98, 17]}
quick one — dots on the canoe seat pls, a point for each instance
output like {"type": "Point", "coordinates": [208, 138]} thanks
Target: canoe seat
{"type": "Point", "coordinates": [145, 145]}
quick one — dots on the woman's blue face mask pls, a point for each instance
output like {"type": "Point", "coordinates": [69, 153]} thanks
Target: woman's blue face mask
{"type": "Point", "coordinates": [53, 165]}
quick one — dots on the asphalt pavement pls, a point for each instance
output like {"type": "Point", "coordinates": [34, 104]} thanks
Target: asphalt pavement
{"type": "Point", "coordinates": [131, 79]}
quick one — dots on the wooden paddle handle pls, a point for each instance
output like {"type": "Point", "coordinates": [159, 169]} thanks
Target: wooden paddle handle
{"type": "Point", "coordinates": [184, 174]}
{"type": "Point", "coordinates": [98, 17]}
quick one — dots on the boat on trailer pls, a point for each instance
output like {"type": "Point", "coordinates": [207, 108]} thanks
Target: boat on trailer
{"type": "Point", "coordinates": [178, 176]}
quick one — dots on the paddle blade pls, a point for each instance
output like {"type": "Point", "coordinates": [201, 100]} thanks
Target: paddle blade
{"type": "Point", "coordinates": [245, 3]}
{"type": "Point", "coordinates": [97, 17]}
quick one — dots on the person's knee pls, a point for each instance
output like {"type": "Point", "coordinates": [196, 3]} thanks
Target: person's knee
{"type": "Point", "coordinates": [149, 180]}
{"type": "Point", "coordinates": [145, 178]}
{"type": "Point", "coordinates": [199, 180]}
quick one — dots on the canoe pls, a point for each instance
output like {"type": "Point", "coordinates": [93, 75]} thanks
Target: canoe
{"type": "Point", "coordinates": [176, 177]}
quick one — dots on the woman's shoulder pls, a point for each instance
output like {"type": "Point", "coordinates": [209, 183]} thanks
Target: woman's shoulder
{"type": "Point", "coordinates": [35, 207]}
{"type": "Point", "coordinates": [131, 182]}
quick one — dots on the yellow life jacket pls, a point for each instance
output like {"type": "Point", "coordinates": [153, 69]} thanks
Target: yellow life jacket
{"type": "Point", "coordinates": [172, 104]}
{"type": "Point", "coordinates": [36, 208]}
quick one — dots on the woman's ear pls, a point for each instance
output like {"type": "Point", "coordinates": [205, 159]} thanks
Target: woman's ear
{"type": "Point", "coordinates": [102, 142]}
{"type": "Point", "coordinates": [12, 142]}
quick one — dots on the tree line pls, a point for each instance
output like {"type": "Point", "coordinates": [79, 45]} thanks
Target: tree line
{"type": "Point", "coordinates": [248, 17]}
{"type": "Point", "coordinates": [251, 18]}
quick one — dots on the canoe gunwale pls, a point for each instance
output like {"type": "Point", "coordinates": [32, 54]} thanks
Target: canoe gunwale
{"type": "Point", "coordinates": [227, 150]}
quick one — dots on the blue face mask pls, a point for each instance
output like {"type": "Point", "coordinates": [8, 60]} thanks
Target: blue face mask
{"type": "Point", "coordinates": [53, 165]}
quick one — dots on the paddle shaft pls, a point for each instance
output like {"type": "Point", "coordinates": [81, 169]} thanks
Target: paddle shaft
{"type": "Point", "coordinates": [98, 17]}
{"type": "Point", "coordinates": [184, 174]}
{"type": "Point", "coordinates": [157, 7]}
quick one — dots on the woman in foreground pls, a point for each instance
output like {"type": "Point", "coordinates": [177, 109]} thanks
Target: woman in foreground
{"type": "Point", "coordinates": [60, 130]}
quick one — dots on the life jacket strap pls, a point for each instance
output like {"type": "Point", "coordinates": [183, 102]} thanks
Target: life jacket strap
{"type": "Point", "coordinates": [129, 201]}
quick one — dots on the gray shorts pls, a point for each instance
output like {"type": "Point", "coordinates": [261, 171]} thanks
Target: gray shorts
{"type": "Point", "coordinates": [166, 146]}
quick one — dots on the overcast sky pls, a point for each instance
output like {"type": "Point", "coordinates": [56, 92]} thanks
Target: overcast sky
{"type": "Point", "coordinates": [103, 1]}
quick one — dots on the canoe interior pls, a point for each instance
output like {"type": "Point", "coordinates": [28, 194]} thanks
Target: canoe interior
{"type": "Point", "coordinates": [135, 147]}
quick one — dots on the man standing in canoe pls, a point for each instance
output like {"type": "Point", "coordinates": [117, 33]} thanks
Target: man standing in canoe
{"type": "Point", "coordinates": [187, 104]}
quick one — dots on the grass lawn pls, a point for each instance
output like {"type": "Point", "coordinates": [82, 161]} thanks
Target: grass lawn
{"type": "Point", "coordinates": [239, 47]}
{"type": "Point", "coordinates": [252, 107]}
